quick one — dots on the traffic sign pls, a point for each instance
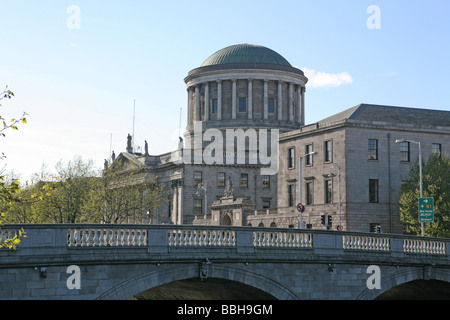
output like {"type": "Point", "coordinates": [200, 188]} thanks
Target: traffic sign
{"type": "Point", "coordinates": [300, 207]}
{"type": "Point", "coordinates": [426, 209]}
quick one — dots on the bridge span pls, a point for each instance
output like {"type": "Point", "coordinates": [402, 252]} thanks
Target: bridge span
{"type": "Point", "coordinates": [118, 262]}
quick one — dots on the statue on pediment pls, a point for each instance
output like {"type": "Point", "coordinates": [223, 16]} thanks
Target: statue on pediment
{"type": "Point", "coordinates": [229, 191]}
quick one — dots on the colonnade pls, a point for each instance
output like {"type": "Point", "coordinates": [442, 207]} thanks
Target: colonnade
{"type": "Point", "coordinates": [295, 101]}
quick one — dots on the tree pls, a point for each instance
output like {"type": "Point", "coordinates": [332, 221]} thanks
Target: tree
{"type": "Point", "coordinates": [436, 184]}
{"type": "Point", "coordinates": [8, 190]}
{"type": "Point", "coordinates": [73, 183]}
{"type": "Point", "coordinates": [121, 196]}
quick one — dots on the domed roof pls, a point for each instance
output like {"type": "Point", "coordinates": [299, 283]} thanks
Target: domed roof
{"type": "Point", "coordinates": [245, 53]}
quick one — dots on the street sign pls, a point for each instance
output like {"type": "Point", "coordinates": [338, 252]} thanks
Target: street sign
{"type": "Point", "coordinates": [300, 207]}
{"type": "Point", "coordinates": [426, 209]}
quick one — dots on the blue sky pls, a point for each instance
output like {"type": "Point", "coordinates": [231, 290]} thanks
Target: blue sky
{"type": "Point", "coordinates": [79, 84]}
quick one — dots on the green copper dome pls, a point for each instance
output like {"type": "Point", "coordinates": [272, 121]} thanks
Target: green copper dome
{"type": "Point", "coordinates": [245, 53]}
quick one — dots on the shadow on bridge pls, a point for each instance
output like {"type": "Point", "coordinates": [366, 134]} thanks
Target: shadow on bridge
{"type": "Point", "coordinates": [208, 289]}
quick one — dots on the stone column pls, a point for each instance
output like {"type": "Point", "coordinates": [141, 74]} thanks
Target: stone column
{"type": "Point", "coordinates": [190, 113]}
{"type": "Point", "coordinates": [303, 90]}
{"type": "Point", "coordinates": [174, 216]}
{"type": "Point", "coordinates": [219, 99]}
{"type": "Point", "coordinates": [299, 105]}
{"type": "Point", "coordinates": [280, 100]}
{"type": "Point", "coordinates": [206, 101]}
{"type": "Point", "coordinates": [197, 104]}
{"type": "Point", "coordinates": [250, 99]}
{"type": "Point", "coordinates": [291, 102]}
{"type": "Point", "coordinates": [233, 99]}
{"type": "Point", "coordinates": [180, 202]}
{"type": "Point", "coordinates": [266, 100]}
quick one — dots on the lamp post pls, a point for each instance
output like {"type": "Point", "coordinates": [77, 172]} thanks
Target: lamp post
{"type": "Point", "coordinates": [300, 221]}
{"type": "Point", "coordinates": [201, 188]}
{"type": "Point", "coordinates": [336, 165]}
{"type": "Point", "coordinates": [420, 172]}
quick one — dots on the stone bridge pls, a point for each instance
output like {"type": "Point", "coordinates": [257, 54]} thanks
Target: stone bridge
{"type": "Point", "coordinates": [118, 262]}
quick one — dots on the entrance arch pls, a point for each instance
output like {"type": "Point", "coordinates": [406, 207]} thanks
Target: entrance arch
{"type": "Point", "coordinates": [208, 289]}
{"type": "Point", "coordinates": [226, 220]}
{"type": "Point", "coordinates": [187, 275]}
{"type": "Point", "coordinates": [418, 290]}
{"type": "Point", "coordinates": [411, 283]}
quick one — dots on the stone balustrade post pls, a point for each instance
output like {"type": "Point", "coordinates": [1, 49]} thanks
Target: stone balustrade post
{"type": "Point", "coordinates": [244, 241]}
{"type": "Point", "coordinates": [158, 240]}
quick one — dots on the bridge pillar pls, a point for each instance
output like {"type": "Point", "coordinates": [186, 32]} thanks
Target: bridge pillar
{"type": "Point", "coordinates": [397, 247]}
{"type": "Point", "coordinates": [244, 241]}
{"type": "Point", "coordinates": [158, 241]}
{"type": "Point", "coordinates": [328, 244]}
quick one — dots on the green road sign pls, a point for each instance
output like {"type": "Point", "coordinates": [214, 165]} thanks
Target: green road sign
{"type": "Point", "coordinates": [426, 209]}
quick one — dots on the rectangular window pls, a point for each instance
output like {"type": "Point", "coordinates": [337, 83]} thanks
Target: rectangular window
{"type": "Point", "coordinates": [309, 193]}
{"type": "Point", "coordinates": [373, 190]}
{"type": "Point", "coordinates": [291, 158]}
{"type": "Point", "coordinates": [221, 179]}
{"type": "Point", "coordinates": [197, 177]}
{"type": "Point", "coordinates": [271, 106]}
{"type": "Point", "coordinates": [266, 204]}
{"type": "Point", "coordinates": [266, 181]}
{"type": "Point", "coordinates": [242, 104]}
{"type": "Point", "coordinates": [328, 191]}
{"type": "Point", "coordinates": [404, 151]}
{"type": "Point", "coordinates": [436, 148]}
{"type": "Point", "coordinates": [373, 149]}
{"type": "Point", "coordinates": [291, 193]}
{"type": "Point", "coordinates": [244, 180]}
{"type": "Point", "coordinates": [214, 106]}
{"type": "Point", "coordinates": [198, 206]}
{"type": "Point", "coordinates": [328, 151]}
{"type": "Point", "coordinates": [309, 159]}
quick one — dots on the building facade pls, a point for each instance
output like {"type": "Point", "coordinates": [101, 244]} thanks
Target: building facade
{"type": "Point", "coordinates": [239, 101]}
{"type": "Point", "coordinates": [357, 159]}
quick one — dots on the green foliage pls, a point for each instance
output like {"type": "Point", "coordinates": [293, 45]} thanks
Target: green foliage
{"type": "Point", "coordinates": [436, 184]}
{"type": "Point", "coordinates": [9, 191]}
{"type": "Point", "coordinates": [78, 193]}
{"type": "Point", "coordinates": [122, 196]}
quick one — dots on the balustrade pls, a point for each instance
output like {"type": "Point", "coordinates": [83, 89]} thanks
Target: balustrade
{"type": "Point", "coordinates": [423, 246]}
{"type": "Point", "coordinates": [363, 242]}
{"type": "Point", "coordinates": [106, 237]}
{"type": "Point", "coordinates": [282, 239]}
{"type": "Point", "coordinates": [202, 238]}
{"type": "Point", "coordinates": [98, 236]}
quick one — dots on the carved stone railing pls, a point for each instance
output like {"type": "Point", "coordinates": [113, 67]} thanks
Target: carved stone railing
{"type": "Point", "coordinates": [162, 239]}
{"type": "Point", "coordinates": [106, 237]}
{"type": "Point", "coordinates": [8, 233]}
{"type": "Point", "coordinates": [282, 239]}
{"type": "Point", "coordinates": [424, 246]}
{"type": "Point", "coordinates": [364, 242]}
{"type": "Point", "coordinates": [201, 238]}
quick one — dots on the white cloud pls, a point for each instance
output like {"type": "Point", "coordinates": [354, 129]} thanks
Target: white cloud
{"type": "Point", "coordinates": [323, 79]}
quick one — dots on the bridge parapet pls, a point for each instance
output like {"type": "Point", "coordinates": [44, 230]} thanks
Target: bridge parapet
{"type": "Point", "coordinates": [68, 242]}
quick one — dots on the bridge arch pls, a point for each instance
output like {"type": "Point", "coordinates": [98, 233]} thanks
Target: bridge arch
{"type": "Point", "coordinates": [406, 278]}
{"type": "Point", "coordinates": [166, 275]}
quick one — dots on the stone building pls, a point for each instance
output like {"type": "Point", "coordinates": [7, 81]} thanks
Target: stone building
{"type": "Point", "coordinates": [356, 152]}
{"type": "Point", "coordinates": [239, 100]}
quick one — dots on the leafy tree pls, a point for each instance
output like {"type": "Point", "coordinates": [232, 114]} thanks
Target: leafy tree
{"type": "Point", "coordinates": [121, 196]}
{"type": "Point", "coordinates": [73, 182]}
{"type": "Point", "coordinates": [436, 184]}
{"type": "Point", "coordinates": [8, 190]}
